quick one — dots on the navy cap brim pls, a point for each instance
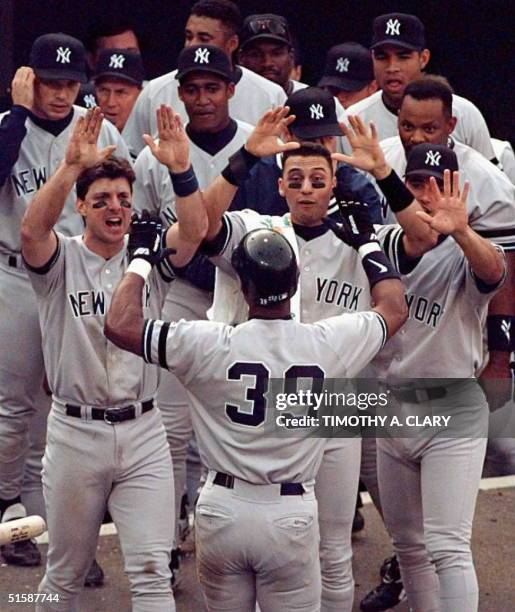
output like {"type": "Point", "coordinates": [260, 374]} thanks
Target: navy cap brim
{"type": "Point", "coordinates": [186, 71]}
{"type": "Point", "coordinates": [316, 131]}
{"type": "Point", "coordinates": [345, 84]}
{"type": "Point", "coordinates": [117, 76]}
{"type": "Point", "coordinates": [259, 37]}
{"type": "Point", "coordinates": [396, 43]}
{"type": "Point", "coordinates": [424, 172]}
{"type": "Point", "coordinates": [61, 75]}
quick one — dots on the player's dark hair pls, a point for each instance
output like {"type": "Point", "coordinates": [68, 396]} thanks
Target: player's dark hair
{"type": "Point", "coordinates": [309, 149]}
{"type": "Point", "coordinates": [107, 27]}
{"type": "Point", "coordinates": [224, 10]}
{"type": "Point", "coordinates": [431, 87]}
{"type": "Point", "coordinates": [111, 168]}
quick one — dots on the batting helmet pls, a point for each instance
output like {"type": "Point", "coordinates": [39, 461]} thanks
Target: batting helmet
{"type": "Point", "coordinates": [266, 264]}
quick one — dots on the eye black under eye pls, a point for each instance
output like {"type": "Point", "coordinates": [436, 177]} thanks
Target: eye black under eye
{"type": "Point", "coordinates": [293, 184]}
{"type": "Point", "coordinates": [318, 184]}
{"type": "Point", "coordinates": [99, 204]}
{"type": "Point", "coordinates": [125, 203]}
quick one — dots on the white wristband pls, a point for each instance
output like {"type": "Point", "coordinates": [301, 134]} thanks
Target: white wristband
{"type": "Point", "coordinates": [367, 248]}
{"type": "Point", "coordinates": [141, 267]}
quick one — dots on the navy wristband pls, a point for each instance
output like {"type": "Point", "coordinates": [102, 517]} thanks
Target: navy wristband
{"type": "Point", "coordinates": [375, 263]}
{"type": "Point", "coordinates": [184, 183]}
{"type": "Point", "coordinates": [395, 191]}
{"type": "Point", "coordinates": [238, 169]}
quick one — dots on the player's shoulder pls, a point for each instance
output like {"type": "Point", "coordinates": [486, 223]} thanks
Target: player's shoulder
{"type": "Point", "coordinates": [473, 162]}
{"type": "Point", "coordinates": [244, 127]}
{"type": "Point", "coordinates": [463, 105]}
{"type": "Point", "coordinates": [372, 102]}
{"type": "Point", "coordinates": [254, 82]}
{"type": "Point", "coordinates": [161, 86]}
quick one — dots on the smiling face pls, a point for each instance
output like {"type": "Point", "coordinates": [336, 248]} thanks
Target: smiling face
{"type": "Point", "coordinates": [307, 184]}
{"type": "Point", "coordinates": [54, 98]}
{"type": "Point", "coordinates": [107, 210]}
{"type": "Point", "coordinates": [206, 98]}
{"type": "Point", "coordinates": [424, 121]}
{"type": "Point", "coordinates": [395, 67]}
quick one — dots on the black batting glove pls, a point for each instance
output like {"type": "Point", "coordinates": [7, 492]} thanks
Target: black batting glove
{"type": "Point", "coordinates": [145, 238]}
{"type": "Point", "coordinates": [355, 226]}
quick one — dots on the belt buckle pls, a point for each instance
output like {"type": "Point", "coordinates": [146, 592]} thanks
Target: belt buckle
{"type": "Point", "coordinates": [117, 415]}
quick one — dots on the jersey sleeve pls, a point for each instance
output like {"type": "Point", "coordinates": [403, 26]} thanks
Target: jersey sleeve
{"type": "Point", "coordinates": [471, 127]}
{"type": "Point", "coordinates": [183, 347]}
{"type": "Point", "coordinates": [12, 133]}
{"type": "Point", "coordinates": [47, 278]}
{"type": "Point", "coordinates": [478, 290]}
{"type": "Point", "coordinates": [391, 240]}
{"type": "Point", "coordinates": [355, 339]}
{"type": "Point", "coordinates": [221, 247]}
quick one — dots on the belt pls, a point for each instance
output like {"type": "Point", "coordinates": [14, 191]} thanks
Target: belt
{"type": "Point", "coordinates": [111, 415]}
{"type": "Point", "coordinates": [417, 396]}
{"type": "Point", "coordinates": [287, 488]}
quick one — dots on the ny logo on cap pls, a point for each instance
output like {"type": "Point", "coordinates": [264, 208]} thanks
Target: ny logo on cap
{"type": "Point", "coordinates": [116, 61]}
{"type": "Point", "coordinates": [506, 326]}
{"type": "Point", "coordinates": [393, 27]}
{"type": "Point", "coordinates": [89, 101]}
{"type": "Point", "coordinates": [433, 158]}
{"type": "Point", "coordinates": [63, 55]}
{"type": "Point", "coordinates": [317, 111]}
{"type": "Point", "coordinates": [201, 56]}
{"type": "Point", "coordinates": [342, 64]}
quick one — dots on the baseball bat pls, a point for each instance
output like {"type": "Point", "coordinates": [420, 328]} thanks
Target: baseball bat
{"type": "Point", "coordinates": [21, 529]}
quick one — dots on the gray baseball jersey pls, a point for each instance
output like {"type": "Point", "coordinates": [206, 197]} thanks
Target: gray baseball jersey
{"type": "Point", "coordinates": [74, 291]}
{"type": "Point", "coordinates": [226, 372]}
{"type": "Point", "coordinates": [447, 311]}
{"type": "Point", "coordinates": [491, 200]}
{"type": "Point", "coordinates": [333, 280]}
{"type": "Point", "coordinates": [504, 153]}
{"type": "Point", "coordinates": [40, 154]}
{"type": "Point", "coordinates": [253, 96]}
{"type": "Point", "coordinates": [471, 127]}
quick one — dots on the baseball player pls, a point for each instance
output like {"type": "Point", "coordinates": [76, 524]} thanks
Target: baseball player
{"type": "Point", "coordinates": [205, 87]}
{"type": "Point", "coordinates": [118, 78]}
{"type": "Point", "coordinates": [368, 156]}
{"type": "Point", "coordinates": [504, 153]}
{"type": "Point", "coordinates": [32, 139]}
{"type": "Point", "coordinates": [306, 185]}
{"type": "Point", "coordinates": [106, 444]}
{"type": "Point", "coordinates": [349, 73]}
{"type": "Point", "coordinates": [244, 556]}
{"type": "Point", "coordinates": [400, 55]}
{"type": "Point", "coordinates": [215, 22]}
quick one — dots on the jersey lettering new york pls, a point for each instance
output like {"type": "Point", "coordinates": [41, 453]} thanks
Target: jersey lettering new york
{"type": "Point", "coordinates": [340, 293]}
{"type": "Point", "coordinates": [29, 180]}
{"type": "Point", "coordinates": [423, 310]}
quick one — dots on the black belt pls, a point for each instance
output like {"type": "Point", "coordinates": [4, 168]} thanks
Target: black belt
{"type": "Point", "coordinates": [417, 396]}
{"type": "Point", "coordinates": [287, 488]}
{"type": "Point", "coordinates": [111, 415]}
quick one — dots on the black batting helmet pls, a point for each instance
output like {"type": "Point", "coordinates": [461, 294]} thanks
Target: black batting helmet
{"type": "Point", "coordinates": [267, 267]}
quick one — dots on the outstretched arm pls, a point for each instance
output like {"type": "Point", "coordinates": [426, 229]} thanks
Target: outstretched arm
{"type": "Point", "coordinates": [448, 216]}
{"type": "Point", "coordinates": [367, 155]}
{"type": "Point", "coordinates": [38, 240]}
{"type": "Point", "coordinates": [172, 150]}
{"type": "Point", "coordinates": [124, 320]}
{"type": "Point", "coordinates": [262, 142]}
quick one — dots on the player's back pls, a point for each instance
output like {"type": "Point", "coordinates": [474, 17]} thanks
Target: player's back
{"type": "Point", "coordinates": [228, 373]}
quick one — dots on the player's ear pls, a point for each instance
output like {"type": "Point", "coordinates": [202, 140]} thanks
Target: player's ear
{"type": "Point", "coordinates": [333, 181]}
{"type": "Point", "coordinates": [230, 90]}
{"type": "Point", "coordinates": [424, 57]}
{"type": "Point", "coordinates": [452, 124]}
{"type": "Point", "coordinates": [280, 186]}
{"type": "Point", "coordinates": [231, 44]}
{"type": "Point", "coordinates": [80, 206]}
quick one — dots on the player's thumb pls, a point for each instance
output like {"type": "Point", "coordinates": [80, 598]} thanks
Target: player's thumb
{"type": "Point", "coordinates": [107, 152]}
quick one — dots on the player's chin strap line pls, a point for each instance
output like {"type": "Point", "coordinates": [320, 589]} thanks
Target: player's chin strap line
{"type": "Point", "coordinates": [501, 332]}
{"type": "Point", "coordinates": [395, 191]}
{"type": "Point", "coordinates": [238, 169]}
{"type": "Point", "coordinates": [184, 183]}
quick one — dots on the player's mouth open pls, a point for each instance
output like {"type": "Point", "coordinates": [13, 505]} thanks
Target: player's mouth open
{"type": "Point", "coordinates": [114, 222]}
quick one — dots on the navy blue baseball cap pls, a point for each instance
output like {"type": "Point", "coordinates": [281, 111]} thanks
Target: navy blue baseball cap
{"type": "Point", "coordinates": [348, 66]}
{"type": "Point", "coordinates": [266, 26]}
{"type": "Point", "coordinates": [58, 56]}
{"type": "Point", "coordinates": [315, 113]}
{"type": "Point", "coordinates": [430, 160]}
{"type": "Point", "coordinates": [121, 64]}
{"type": "Point", "coordinates": [398, 29]}
{"type": "Point", "coordinates": [204, 58]}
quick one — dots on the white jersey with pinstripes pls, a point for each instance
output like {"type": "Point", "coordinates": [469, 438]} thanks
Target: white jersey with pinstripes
{"type": "Point", "coordinates": [226, 371]}
{"type": "Point", "coordinates": [73, 292]}
{"type": "Point", "coordinates": [40, 154]}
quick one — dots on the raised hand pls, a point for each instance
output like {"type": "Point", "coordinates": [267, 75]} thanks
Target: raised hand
{"type": "Point", "coordinates": [22, 87]}
{"type": "Point", "coordinates": [446, 213]}
{"type": "Point", "coordinates": [145, 238]}
{"type": "Point", "coordinates": [355, 226]}
{"type": "Point", "coordinates": [82, 148]}
{"type": "Point", "coordinates": [366, 152]}
{"type": "Point", "coordinates": [172, 149]}
{"type": "Point", "coordinates": [265, 138]}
